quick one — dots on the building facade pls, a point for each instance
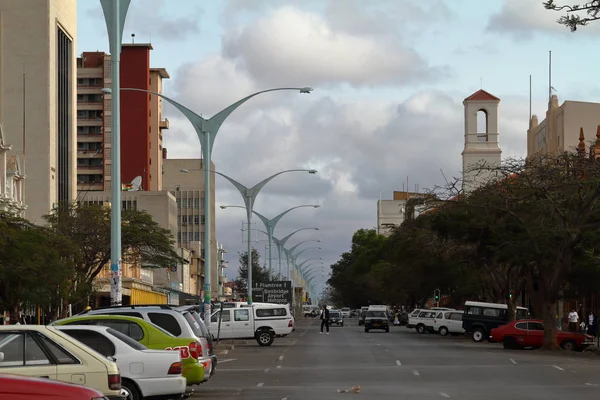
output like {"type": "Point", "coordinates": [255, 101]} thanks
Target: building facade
{"type": "Point", "coordinates": [559, 131]}
{"type": "Point", "coordinates": [482, 140]}
{"type": "Point", "coordinates": [392, 213]}
{"type": "Point", "coordinates": [141, 119]}
{"type": "Point", "coordinates": [184, 178]}
{"type": "Point", "coordinates": [37, 97]}
{"type": "Point", "coordinates": [11, 181]}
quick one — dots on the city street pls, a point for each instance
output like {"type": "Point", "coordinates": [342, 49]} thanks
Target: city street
{"type": "Point", "coordinates": [399, 364]}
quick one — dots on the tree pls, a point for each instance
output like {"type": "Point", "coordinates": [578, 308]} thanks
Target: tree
{"type": "Point", "coordinates": [35, 269]}
{"type": "Point", "coordinates": [576, 14]}
{"type": "Point", "coordinates": [87, 226]}
{"type": "Point", "coordinates": [259, 273]}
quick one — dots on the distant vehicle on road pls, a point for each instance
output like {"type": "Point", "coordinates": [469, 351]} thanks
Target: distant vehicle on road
{"type": "Point", "coordinates": [376, 319]}
{"type": "Point", "coordinates": [336, 318]}
{"type": "Point", "coordinates": [346, 312]}
{"type": "Point", "coordinates": [480, 318]}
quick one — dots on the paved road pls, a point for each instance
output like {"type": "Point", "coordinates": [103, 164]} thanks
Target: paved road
{"type": "Point", "coordinates": [400, 364]}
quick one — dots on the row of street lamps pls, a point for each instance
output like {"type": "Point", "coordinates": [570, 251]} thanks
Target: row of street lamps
{"type": "Point", "coordinates": [115, 12]}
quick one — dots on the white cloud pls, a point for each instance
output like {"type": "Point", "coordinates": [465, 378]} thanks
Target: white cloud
{"type": "Point", "coordinates": [523, 18]}
{"type": "Point", "coordinates": [294, 47]}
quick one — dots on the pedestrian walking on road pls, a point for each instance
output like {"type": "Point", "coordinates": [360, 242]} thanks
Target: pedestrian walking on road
{"type": "Point", "coordinates": [324, 319]}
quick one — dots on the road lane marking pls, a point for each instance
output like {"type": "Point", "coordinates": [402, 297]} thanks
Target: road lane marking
{"type": "Point", "coordinates": [444, 394]}
{"type": "Point", "coordinates": [386, 350]}
{"type": "Point", "coordinates": [416, 372]}
{"type": "Point", "coordinates": [228, 360]}
{"type": "Point", "coordinates": [398, 363]}
{"type": "Point", "coordinates": [512, 361]}
{"type": "Point", "coordinates": [267, 371]}
{"type": "Point", "coordinates": [260, 384]}
{"type": "Point", "coordinates": [280, 358]}
{"type": "Point", "coordinates": [558, 368]}
{"type": "Point", "coordinates": [591, 384]}
{"type": "Point", "coordinates": [279, 366]}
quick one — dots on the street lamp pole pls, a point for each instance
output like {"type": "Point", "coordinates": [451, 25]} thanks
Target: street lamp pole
{"type": "Point", "coordinates": [249, 195]}
{"type": "Point", "coordinates": [115, 12]}
{"type": "Point", "coordinates": [207, 130]}
{"type": "Point", "coordinates": [281, 242]}
{"type": "Point", "coordinates": [270, 225]}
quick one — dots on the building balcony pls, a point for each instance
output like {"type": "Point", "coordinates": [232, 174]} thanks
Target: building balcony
{"type": "Point", "coordinates": [90, 170]}
{"type": "Point", "coordinates": [89, 105]}
{"type": "Point", "coordinates": [95, 138]}
{"type": "Point", "coordinates": [164, 124]}
{"type": "Point", "coordinates": [90, 153]}
{"type": "Point", "coordinates": [89, 72]}
{"type": "Point", "coordinates": [89, 121]}
{"type": "Point", "coordinates": [88, 89]}
{"type": "Point", "coordinates": [90, 186]}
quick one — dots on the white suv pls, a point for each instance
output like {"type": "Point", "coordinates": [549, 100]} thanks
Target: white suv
{"type": "Point", "coordinates": [446, 322]}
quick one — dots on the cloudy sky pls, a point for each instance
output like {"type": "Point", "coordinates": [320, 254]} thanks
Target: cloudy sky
{"type": "Point", "coordinates": [389, 78]}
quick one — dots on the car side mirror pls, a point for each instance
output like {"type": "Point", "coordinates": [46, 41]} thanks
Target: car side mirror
{"type": "Point", "coordinates": [1, 356]}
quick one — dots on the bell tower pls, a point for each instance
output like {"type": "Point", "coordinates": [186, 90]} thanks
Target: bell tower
{"type": "Point", "coordinates": [482, 144]}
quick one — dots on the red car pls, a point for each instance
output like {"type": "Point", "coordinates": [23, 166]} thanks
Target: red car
{"type": "Point", "coordinates": [530, 333]}
{"type": "Point", "coordinates": [17, 387]}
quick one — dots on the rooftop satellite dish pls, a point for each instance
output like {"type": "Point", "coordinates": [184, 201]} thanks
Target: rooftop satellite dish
{"type": "Point", "coordinates": [136, 183]}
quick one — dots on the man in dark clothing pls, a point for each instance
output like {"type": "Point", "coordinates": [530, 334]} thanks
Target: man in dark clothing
{"type": "Point", "coordinates": [324, 319]}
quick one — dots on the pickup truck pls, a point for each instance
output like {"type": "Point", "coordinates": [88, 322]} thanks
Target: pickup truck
{"type": "Point", "coordinates": [259, 322]}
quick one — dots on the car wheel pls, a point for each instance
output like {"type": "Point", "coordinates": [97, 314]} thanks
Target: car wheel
{"type": "Point", "coordinates": [265, 338]}
{"type": "Point", "coordinates": [478, 335]}
{"type": "Point", "coordinates": [421, 328]}
{"type": "Point", "coordinates": [130, 390]}
{"type": "Point", "coordinates": [342, 324]}
{"type": "Point", "coordinates": [366, 330]}
{"type": "Point", "coordinates": [443, 330]}
{"type": "Point", "coordinates": [387, 330]}
{"type": "Point", "coordinates": [568, 345]}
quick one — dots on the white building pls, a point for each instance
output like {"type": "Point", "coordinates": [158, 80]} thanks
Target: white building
{"type": "Point", "coordinates": [11, 180]}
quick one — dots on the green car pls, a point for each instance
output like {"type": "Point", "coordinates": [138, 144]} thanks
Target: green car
{"type": "Point", "coordinates": [151, 336]}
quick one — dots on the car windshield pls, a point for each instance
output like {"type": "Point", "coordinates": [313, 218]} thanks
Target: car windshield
{"type": "Point", "coordinates": [377, 314]}
{"type": "Point", "coordinates": [200, 322]}
{"type": "Point", "coordinates": [335, 314]}
{"type": "Point", "coordinates": [126, 339]}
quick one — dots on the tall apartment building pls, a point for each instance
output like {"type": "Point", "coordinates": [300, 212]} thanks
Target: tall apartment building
{"type": "Point", "coordinates": [37, 97]}
{"type": "Point", "coordinates": [184, 178]}
{"type": "Point", "coordinates": [559, 131]}
{"type": "Point", "coordinates": [141, 119]}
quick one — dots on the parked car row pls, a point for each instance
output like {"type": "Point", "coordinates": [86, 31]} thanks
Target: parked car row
{"type": "Point", "coordinates": [489, 321]}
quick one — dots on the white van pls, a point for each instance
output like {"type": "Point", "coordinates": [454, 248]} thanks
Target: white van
{"type": "Point", "coordinates": [446, 322]}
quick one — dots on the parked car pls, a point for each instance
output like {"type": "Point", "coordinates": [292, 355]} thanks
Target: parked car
{"type": "Point", "coordinates": [45, 352]}
{"type": "Point", "coordinates": [361, 317]}
{"type": "Point", "coordinates": [377, 319]}
{"type": "Point", "coordinates": [17, 387]}
{"type": "Point", "coordinates": [144, 372]}
{"type": "Point", "coordinates": [530, 333]}
{"type": "Point", "coordinates": [446, 322]}
{"type": "Point", "coordinates": [177, 320]}
{"type": "Point", "coordinates": [259, 322]}
{"type": "Point", "coordinates": [194, 312]}
{"type": "Point", "coordinates": [195, 367]}
{"type": "Point", "coordinates": [423, 321]}
{"type": "Point", "coordinates": [480, 318]}
{"type": "Point", "coordinates": [336, 318]}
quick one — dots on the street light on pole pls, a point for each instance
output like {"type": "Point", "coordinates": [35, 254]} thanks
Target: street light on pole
{"type": "Point", "coordinates": [249, 195]}
{"type": "Point", "coordinates": [207, 130]}
{"type": "Point", "coordinates": [270, 225]}
{"type": "Point", "coordinates": [115, 12]}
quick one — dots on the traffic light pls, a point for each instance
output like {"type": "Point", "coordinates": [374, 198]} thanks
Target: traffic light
{"type": "Point", "coordinates": [436, 295]}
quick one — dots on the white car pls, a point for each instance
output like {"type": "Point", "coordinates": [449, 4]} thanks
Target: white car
{"type": "Point", "coordinates": [144, 372]}
{"type": "Point", "coordinates": [346, 312]}
{"type": "Point", "coordinates": [446, 322]}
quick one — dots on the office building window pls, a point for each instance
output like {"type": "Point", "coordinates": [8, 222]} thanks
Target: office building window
{"type": "Point", "coordinates": [184, 220]}
{"type": "Point", "coordinates": [202, 219]}
{"type": "Point", "coordinates": [196, 219]}
{"type": "Point", "coordinates": [178, 237]}
{"type": "Point", "coordinates": [184, 237]}
{"type": "Point", "coordinates": [63, 113]}
{"type": "Point", "coordinates": [197, 236]}
{"type": "Point", "coordinates": [190, 203]}
{"type": "Point", "coordinates": [196, 202]}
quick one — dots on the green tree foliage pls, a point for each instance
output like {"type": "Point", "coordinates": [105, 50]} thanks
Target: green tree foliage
{"type": "Point", "coordinates": [259, 273]}
{"type": "Point", "coordinates": [88, 229]}
{"type": "Point", "coordinates": [576, 14]}
{"type": "Point", "coordinates": [35, 269]}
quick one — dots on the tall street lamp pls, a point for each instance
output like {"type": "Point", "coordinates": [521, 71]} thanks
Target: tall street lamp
{"type": "Point", "coordinates": [270, 225]}
{"type": "Point", "coordinates": [249, 196]}
{"type": "Point", "coordinates": [281, 243]}
{"type": "Point", "coordinates": [115, 12]}
{"type": "Point", "coordinates": [207, 130]}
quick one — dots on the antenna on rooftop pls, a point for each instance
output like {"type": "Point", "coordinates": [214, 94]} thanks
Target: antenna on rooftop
{"type": "Point", "coordinates": [133, 38]}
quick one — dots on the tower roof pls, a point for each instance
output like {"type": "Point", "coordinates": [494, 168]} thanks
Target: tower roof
{"type": "Point", "coordinates": [482, 95]}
